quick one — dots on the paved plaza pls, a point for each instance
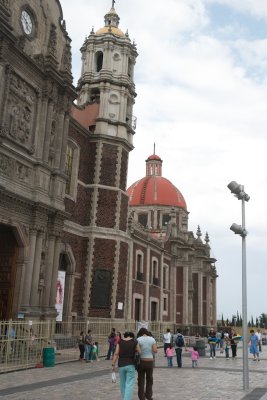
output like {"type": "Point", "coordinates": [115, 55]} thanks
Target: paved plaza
{"type": "Point", "coordinates": [213, 379]}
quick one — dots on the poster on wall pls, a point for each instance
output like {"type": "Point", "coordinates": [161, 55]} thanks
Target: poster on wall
{"type": "Point", "coordinates": [60, 294]}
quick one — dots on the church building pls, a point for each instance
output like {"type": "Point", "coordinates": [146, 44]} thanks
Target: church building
{"type": "Point", "coordinates": [74, 242]}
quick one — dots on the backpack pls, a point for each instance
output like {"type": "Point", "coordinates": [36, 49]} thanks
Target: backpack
{"type": "Point", "coordinates": [179, 341]}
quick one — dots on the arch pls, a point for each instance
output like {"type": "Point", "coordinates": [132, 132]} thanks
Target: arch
{"type": "Point", "coordinates": [67, 264]}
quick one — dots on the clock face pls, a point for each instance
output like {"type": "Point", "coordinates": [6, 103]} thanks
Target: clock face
{"type": "Point", "coordinates": [26, 21]}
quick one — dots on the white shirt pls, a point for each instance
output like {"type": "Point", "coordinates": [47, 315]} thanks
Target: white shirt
{"type": "Point", "coordinates": [167, 337]}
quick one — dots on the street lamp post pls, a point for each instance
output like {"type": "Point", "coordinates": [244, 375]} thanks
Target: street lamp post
{"type": "Point", "coordinates": [239, 192]}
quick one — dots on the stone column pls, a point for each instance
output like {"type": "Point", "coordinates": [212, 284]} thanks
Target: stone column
{"type": "Point", "coordinates": [200, 299]}
{"type": "Point", "coordinates": [214, 301]}
{"type": "Point", "coordinates": [34, 299]}
{"type": "Point", "coordinates": [129, 295]}
{"type": "Point", "coordinates": [60, 133]}
{"type": "Point", "coordinates": [64, 143]}
{"type": "Point", "coordinates": [161, 286]}
{"type": "Point", "coordinates": [147, 284]}
{"type": "Point", "coordinates": [29, 269]}
{"type": "Point", "coordinates": [208, 301]}
{"type": "Point", "coordinates": [49, 270]}
{"type": "Point", "coordinates": [42, 125]}
{"type": "Point", "coordinates": [48, 131]}
{"type": "Point", "coordinates": [185, 296]}
{"type": "Point", "coordinates": [115, 280]}
{"type": "Point", "coordinates": [52, 298]}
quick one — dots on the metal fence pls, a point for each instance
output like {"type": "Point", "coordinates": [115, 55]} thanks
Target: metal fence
{"type": "Point", "coordinates": [22, 343]}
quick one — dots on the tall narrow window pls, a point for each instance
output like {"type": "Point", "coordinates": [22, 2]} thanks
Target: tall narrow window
{"type": "Point", "coordinates": [99, 61]}
{"type": "Point", "coordinates": [68, 167]}
{"type": "Point", "coordinates": [155, 280]}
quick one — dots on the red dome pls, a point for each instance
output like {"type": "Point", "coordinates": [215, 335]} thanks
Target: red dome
{"type": "Point", "coordinates": [155, 190]}
{"type": "Point", "coordinates": [154, 157]}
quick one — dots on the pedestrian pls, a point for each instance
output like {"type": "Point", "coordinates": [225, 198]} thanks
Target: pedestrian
{"type": "Point", "coordinates": [234, 341]}
{"type": "Point", "coordinates": [179, 343]}
{"type": "Point", "coordinates": [254, 346]}
{"type": "Point", "coordinates": [125, 354]}
{"type": "Point", "coordinates": [259, 336]}
{"type": "Point", "coordinates": [227, 345]}
{"type": "Point", "coordinates": [170, 353]}
{"type": "Point", "coordinates": [88, 346]}
{"type": "Point", "coordinates": [167, 340]}
{"type": "Point", "coordinates": [145, 371]}
{"type": "Point", "coordinates": [212, 340]}
{"type": "Point", "coordinates": [222, 338]}
{"type": "Point", "coordinates": [194, 356]}
{"type": "Point", "coordinates": [117, 339]}
{"type": "Point", "coordinates": [81, 343]}
{"type": "Point", "coordinates": [111, 343]}
{"type": "Point", "coordinates": [95, 352]}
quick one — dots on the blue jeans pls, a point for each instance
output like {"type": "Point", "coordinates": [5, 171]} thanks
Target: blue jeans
{"type": "Point", "coordinates": [88, 352]}
{"type": "Point", "coordinates": [127, 380]}
{"type": "Point", "coordinates": [169, 359]}
{"type": "Point", "coordinates": [212, 349]}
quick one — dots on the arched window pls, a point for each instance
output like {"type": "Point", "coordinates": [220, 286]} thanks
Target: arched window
{"type": "Point", "coordinates": [71, 168]}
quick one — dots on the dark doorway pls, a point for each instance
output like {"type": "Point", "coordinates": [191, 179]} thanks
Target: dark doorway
{"type": "Point", "coordinates": [8, 254]}
{"type": "Point", "coordinates": [137, 309]}
{"type": "Point", "coordinates": [153, 311]}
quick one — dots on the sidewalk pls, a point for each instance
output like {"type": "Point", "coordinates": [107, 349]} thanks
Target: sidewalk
{"type": "Point", "coordinates": [217, 379]}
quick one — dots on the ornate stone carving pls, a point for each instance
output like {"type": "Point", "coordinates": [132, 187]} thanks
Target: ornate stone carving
{"type": "Point", "coordinates": [39, 58]}
{"type": "Point", "coordinates": [20, 113]}
{"type": "Point", "coordinates": [23, 172]}
{"type": "Point", "coordinates": [52, 43]}
{"type": "Point", "coordinates": [6, 165]}
{"type": "Point", "coordinates": [66, 59]}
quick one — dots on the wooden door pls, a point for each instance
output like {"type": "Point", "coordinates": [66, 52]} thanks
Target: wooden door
{"type": "Point", "coordinates": [8, 253]}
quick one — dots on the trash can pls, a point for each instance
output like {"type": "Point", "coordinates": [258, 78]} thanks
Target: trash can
{"type": "Point", "coordinates": [201, 347]}
{"type": "Point", "coordinates": [49, 356]}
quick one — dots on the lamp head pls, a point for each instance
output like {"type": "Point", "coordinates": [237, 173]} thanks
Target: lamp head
{"type": "Point", "coordinates": [238, 230]}
{"type": "Point", "coordinates": [238, 191]}
{"type": "Point", "coordinates": [234, 187]}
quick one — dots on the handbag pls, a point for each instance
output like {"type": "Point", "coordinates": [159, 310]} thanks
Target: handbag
{"type": "Point", "coordinates": [113, 377]}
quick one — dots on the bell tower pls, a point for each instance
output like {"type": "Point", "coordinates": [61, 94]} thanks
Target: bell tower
{"type": "Point", "coordinates": [107, 79]}
{"type": "Point", "coordinates": [106, 95]}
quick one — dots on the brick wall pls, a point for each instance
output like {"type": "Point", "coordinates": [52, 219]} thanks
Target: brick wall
{"type": "Point", "coordinates": [80, 210]}
{"type": "Point", "coordinates": [123, 212]}
{"type": "Point", "coordinates": [106, 208]}
{"type": "Point", "coordinates": [124, 169]}
{"type": "Point", "coordinates": [87, 153]}
{"type": "Point", "coordinates": [122, 275]}
{"type": "Point", "coordinates": [109, 162]}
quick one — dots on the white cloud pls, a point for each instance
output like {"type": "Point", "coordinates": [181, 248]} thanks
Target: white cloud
{"type": "Point", "coordinates": [256, 8]}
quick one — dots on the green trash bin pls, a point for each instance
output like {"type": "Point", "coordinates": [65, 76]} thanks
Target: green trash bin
{"type": "Point", "coordinates": [201, 347]}
{"type": "Point", "coordinates": [49, 356]}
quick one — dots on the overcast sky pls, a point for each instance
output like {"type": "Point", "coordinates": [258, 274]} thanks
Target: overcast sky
{"type": "Point", "coordinates": [201, 80]}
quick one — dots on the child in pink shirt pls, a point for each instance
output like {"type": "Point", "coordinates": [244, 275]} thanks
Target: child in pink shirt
{"type": "Point", "coordinates": [194, 356]}
{"type": "Point", "coordinates": [170, 353]}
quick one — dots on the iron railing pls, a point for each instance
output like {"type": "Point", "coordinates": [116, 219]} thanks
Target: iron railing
{"type": "Point", "coordinates": [22, 342]}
